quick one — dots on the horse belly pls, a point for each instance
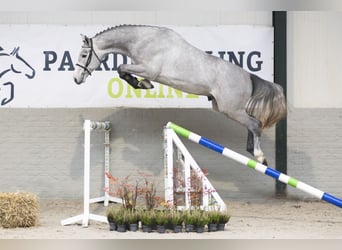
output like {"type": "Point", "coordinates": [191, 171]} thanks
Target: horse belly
{"type": "Point", "coordinates": [186, 85]}
{"type": "Point", "coordinates": [189, 75]}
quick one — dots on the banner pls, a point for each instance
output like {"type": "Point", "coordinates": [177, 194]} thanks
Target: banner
{"type": "Point", "coordinates": [37, 64]}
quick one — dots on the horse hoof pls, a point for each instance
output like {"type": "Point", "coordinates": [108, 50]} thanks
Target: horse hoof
{"type": "Point", "coordinates": [265, 162]}
{"type": "Point", "coordinates": [145, 84]}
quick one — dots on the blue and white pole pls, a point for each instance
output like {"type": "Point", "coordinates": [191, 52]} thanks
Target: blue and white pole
{"type": "Point", "coordinates": [255, 165]}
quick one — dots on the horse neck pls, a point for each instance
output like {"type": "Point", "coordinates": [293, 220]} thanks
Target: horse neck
{"type": "Point", "coordinates": [115, 41]}
{"type": "Point", "coordinates": [4, 58]}
{"type": "Point", "coordinates": [5, 65]}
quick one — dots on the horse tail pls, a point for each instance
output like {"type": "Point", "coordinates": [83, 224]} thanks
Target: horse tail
{"type": "Point", "coordinates": [267, 102]}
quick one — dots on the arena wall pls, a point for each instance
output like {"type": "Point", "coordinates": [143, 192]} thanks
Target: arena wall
{"type": "Point", "coordinates": [42, 149]}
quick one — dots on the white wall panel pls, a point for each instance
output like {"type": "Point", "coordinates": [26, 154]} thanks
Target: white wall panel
{"type": "Point", "coordinates": [162, 17]}
{"type": "Point", "coordinates": [314, 59]}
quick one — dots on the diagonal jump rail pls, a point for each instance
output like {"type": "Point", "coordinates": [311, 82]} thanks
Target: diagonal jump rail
{"type": "Point", "coordinates": [255, 165]}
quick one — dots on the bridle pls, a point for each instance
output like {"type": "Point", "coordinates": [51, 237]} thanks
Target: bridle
{"type": "Point", "coordinates": [92, 51]}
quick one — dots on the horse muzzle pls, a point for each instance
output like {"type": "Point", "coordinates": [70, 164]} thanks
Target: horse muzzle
{"type": "Point", "coordinates": [77, 81]}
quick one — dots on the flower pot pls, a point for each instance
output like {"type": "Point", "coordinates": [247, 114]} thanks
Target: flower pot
{"type": "Point", "coordinates": [147, 229]}
{"type": "Point", "coordinates": [212, 227]}
{"type": "Point", "coordinates": [177, 229]}
{"type": "Point", "coordinates": [122, 228]}
{"type": "Point", "coordinates": [161, 229]}
{"type": "Point", "coordinates": [189, 228]}
{"type": "Point", "coordinates": [200, 229]}
{"type": "Point", "coordinates": [133, 227]}
{"type": "Point", "coordinates": [112, 226]}
{"type": "Point", "coordinates": [169, 226]}
{"type": "Point", "coordinates": [220, 227]}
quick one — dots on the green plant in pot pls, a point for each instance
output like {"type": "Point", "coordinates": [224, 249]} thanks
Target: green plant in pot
{"type": "Point", "coordinates": [200, 220]}
{"type": "Point", "coordinates": [148, 220]}
{"type": "Point", "coordinates": [120, 218]}
{"type": "Point", "coordinates": [223, 220]}
{"type": "Point", "coordinates": [162, 218]}
{"type": "Point", "coordinates": [214, 217]}
{"type": "Point", "coordinates": [110, 218]}
{"type": "Point", "coordinates": [189, 221]}
{"type": "Point", "coordinates": [176, 220]}
{"type": "Point", "coordinates": [132, 219]}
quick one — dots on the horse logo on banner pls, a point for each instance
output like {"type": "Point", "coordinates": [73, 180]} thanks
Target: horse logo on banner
{"type": "Point", "coordinates": [12, 62]}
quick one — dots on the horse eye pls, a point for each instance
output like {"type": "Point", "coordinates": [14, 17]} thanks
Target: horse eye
{"type": "Point", "coordinates": [84, 56]}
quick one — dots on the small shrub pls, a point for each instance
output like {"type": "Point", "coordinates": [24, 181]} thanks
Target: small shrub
{"type": "Point", "coordinates": [201, 218]}
{"type": "Point", "coordinates": [132, 216]}
{"type": "Point", "coordinates": [214, 217]}
{"type": "Point", "coordinates": [162, 217]}
{"type": "Point", "coordinates": [176, 217]}
{"type": "Point", "coordinates": [119, 216]}
{"type": "Point", "coordinates": [224, 217]}
{"type": "Point", "coordinates": [148, 218]}
{"type": "Point", "coordinates": [189, 218]}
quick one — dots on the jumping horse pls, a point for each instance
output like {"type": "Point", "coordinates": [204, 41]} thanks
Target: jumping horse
{"type": "Point", "coordinates": [157, 54]}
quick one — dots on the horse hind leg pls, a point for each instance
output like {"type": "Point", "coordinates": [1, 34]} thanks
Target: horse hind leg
{"type": "Point", "coordinates": [250, 143]}
{"type": "Point", "coordinates": [257, 152]}
{"type": "Point", "coordinates": [253, 147]}
{"type": "Point", "coordinates": [254, 132]}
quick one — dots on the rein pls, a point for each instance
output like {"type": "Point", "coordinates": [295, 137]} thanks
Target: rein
{"type": "Point", "coordinates": [92, 51]}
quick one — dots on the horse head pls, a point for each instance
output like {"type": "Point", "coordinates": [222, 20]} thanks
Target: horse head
{"type": "Point", "coordinates": [88, 60]}
{"type": "Point", "coordinates": [20, 65]}
{"type": "Point", "coordinates": [16, 64]}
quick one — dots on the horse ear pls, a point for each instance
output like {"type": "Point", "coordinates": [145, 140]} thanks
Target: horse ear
{"type": "Point", "coordinates": [1, 48]}
{"type": "Point", "coordinates": [15, 51]}
{"type": "Point", "coordinates": [85, 39]}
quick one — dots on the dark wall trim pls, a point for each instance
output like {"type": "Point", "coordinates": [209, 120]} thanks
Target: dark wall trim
{"type": "Point", "coordinates": [279, 19]}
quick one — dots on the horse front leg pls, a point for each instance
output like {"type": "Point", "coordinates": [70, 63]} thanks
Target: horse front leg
{"type": "Point", "coordinates": [125, 72]}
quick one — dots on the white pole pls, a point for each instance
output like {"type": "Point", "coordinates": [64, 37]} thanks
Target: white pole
{"type": "Point", "coordinates": [86, 181]}
{"type": "Point", "coordinates": [107, 152]}
{"type": "Point", "coordinates": [168, 167]}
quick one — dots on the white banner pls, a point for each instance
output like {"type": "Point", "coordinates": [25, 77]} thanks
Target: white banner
{"type": "Point", "coordinates": [37, 64]}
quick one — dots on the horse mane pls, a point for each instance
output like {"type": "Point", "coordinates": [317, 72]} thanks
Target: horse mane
{"type": "Point", "coordinates": [118, 27]}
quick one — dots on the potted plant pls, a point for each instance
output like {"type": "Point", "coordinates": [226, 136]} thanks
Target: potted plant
{"type": "Point", "coordinates": [176, 220]}
{"type": "Point", "coordinates": [147, 219]}
{"type": "Point", "coordinates": [200, 220]}
{"type": "Point", "coordinates": [213, 220]}
{"type": "Point", "coordinates": [162, 218]}
{"type": "Point", "coordinates": [132, 220]}
{"type": "Point", "coordinates": [120, 218]}
{"type": "Point", "coordinates": [110, 218]}
{"type": "Point", "coordinates": [223, 220]}
{"type": "Point", "coordinates": [189, 221]}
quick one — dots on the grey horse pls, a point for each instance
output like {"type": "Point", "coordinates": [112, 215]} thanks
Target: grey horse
{"type": "Point", "coordinates": [157, 54]}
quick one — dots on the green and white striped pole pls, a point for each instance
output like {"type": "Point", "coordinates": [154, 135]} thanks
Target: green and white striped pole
{"type": "Point", "coordinates": [255, 165]}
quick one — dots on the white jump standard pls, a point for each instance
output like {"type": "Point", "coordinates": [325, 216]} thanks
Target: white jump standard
{"type": "Point", "coordinates": [88, 126]}
{"type": "Point", "coordinates": [255, 165]}
{"type": "Point", "coordinates": [211, 200]}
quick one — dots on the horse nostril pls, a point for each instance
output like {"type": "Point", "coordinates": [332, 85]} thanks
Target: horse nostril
{"type": "Point", "coordinates": [77, 82]}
